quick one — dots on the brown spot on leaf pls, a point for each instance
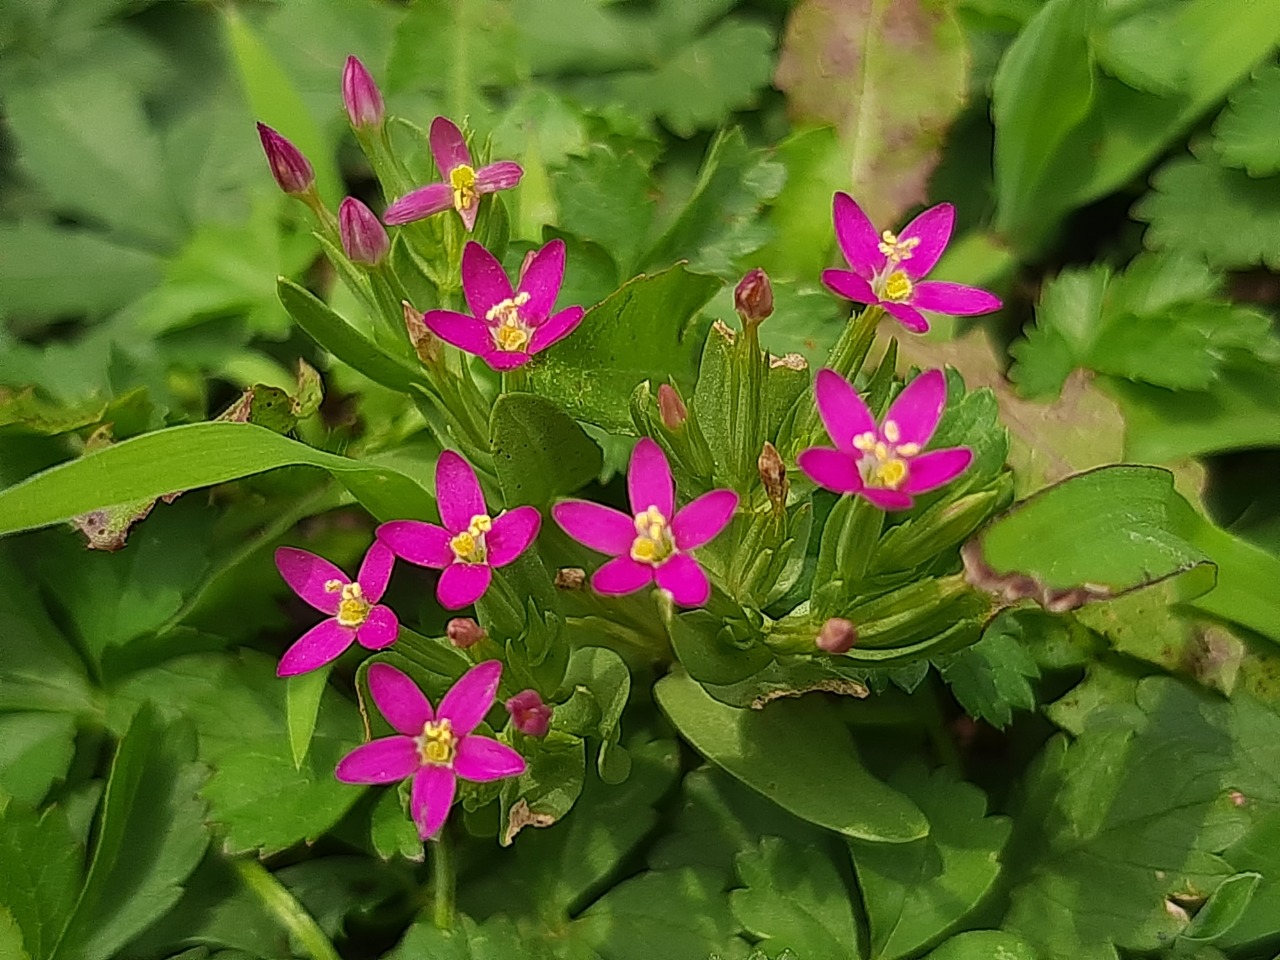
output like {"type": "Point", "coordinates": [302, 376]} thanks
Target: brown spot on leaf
{"type": "Point", "coordinates": [520, 817]}
{"type": "Point", "coordinates": [845, 688]}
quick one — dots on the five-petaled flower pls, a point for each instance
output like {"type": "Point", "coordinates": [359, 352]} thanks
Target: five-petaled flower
{"type": "Point", "coordinates": [352, 605]}
{"type": "Point", "coordinates": [463, 184]}
{"type": "Point", "coordinates": [887, 268]}
{"type": "Point", "coordinates": [470, 544]}
{"type": "Point", "coordinates": [885, 462]}
{"type": "Point", "coordinates": [508, 326]}
{"type": "Point", "coordinates": [435, 747]}
{"type": "Point", "coordinates": [653, 543]}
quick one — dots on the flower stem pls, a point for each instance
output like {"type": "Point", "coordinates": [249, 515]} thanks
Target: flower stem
{"type": "Point", "coordinates": [282, 905]}
{"type": "Point", "coordinates": [443, 881]}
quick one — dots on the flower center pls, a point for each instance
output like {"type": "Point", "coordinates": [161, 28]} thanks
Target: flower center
{"type": "Point", "coordinates": [353, 608]}
{"type": "Point", "coordinates": [437, 745]}
{"type": "Point", "coordinates": [653, 543]}
{"type": "Point", "coordinates": [463, 180]}
{"type": "Point", "coordinates": [897, 286]}
{"type": "Point", "coordinates": [884, 461]}
{"type": "Point", "coordinates": [895, 250]}
{"type": "Point", "coordinates": [510, 332]}
{"type": "Point", "coordinates": [469, 546]}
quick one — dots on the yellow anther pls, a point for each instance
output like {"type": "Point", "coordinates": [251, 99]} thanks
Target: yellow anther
{"type": "Point", "coordinates": [866, 442]}
{"type": "Point", "coordinates": [653, 542]}
{"type": "Point", "coordinates": [332, 586]}
{"type": "Point", "coordinates": [463, 180]}
{"type": "Point", "coordinates": [511, 333]}
{"type": "Point", "coordinates": [897, 250]}
{"type": "Point", "coordinates": [437, 745]}
{"type": "Point", "coordinates": [891, 431]}
{"type": "Point", "coordinates": [468, 547]}
{"type": "Point", "coordinates": [891, 473]}
{"type": "Point", "coordinates": [898, 286]}
{"type": "Point", "coordinates": [353, 608]}
{"type": "Point", "coordinates": [480, 524]}
{"type": "Point", "coordinates": [908, 449]}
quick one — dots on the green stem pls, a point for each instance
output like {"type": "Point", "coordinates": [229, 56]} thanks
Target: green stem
{"type": "Point", "coordinates": [282, 905]}
{"type": "Point", "coordinates": [443, 882]}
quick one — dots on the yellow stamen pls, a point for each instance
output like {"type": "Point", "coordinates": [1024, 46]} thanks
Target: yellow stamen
{"type": "Point", "coordinates": [353, 608]}
{"type": "Point", "coordinates": [653, 543]}
{"type": "Point", "coordinates": [891, 473]}
{"type": "Point", "coordinates": [896, 250]}
{"type": "Point", "coordinates": [437, 745]}
{"type": "Point", "coordinates": [511, 333]}
{"type": "Point", "coordinates": [898, 286]}
{"type": "Point", "coordinates": [463, 180]}
{"type": "Point", "coordinates": [469, 546]}
{"type": "Point", "coordinates": [891, 431]}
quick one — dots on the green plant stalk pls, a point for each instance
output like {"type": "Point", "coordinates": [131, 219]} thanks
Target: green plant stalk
{"type": "Point", "coordinates": [846, 358]}
{"type": "Point", "coordinates": [443, 882]}
{"type": "Point", "coordinates": [282, 905]}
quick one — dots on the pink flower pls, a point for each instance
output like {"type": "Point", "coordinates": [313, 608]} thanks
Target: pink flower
{"type": "Point", "coordinates": [435, 747]}
{"type": "Point", "coordinates": [352, 605]}
{"type": "Point", "coordinates": [470, 544]}
{"type": "Point", "coordinates": [529, 714]}
{"type": "Point", "coordinates": [654, 543]}
{"type": "Point", "coordinates": [887, 268]}
{"type": "Point", "coordinates": [883, 463]}
{"type": "Point", "coordinates": [463, 186]}
{"type": "Point", "coordinates": [508, 326]}
{"type": "Point", "coordinates": [361, 96]}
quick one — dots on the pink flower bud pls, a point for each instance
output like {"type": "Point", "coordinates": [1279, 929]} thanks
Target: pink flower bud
{"type": "Point", "coordinates": [464, 632]}
{"type": "Point", "coordinates": [361, 96]}
{"type": "Point", "coordinates": [753, 298]}
{"type": "Point", "coordinates": [671, 408]}
{"type": "Point", "coordinates": [363, 238]}
{"type": "Point", "coordinates": [837, 635]}
{"type": "Point", "coordinates": [530, 715]}
{"type": "Point", "coordinates": [291, 169]}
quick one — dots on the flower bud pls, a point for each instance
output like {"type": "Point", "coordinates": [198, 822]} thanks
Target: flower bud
{"type": "Point", "coordinates": [773, 474]}
{"type": "Point", "coordinates": [464, 632]}
{"type": "Point", "coordinates": [363, 238]}
{"type": "Point", "coordinates": [529, 714]}
{"type": "Point", "coordinates": [671, 408]}
{"type": "Point", "coordinates": [425, 343]}
{"type": "Point", "coordinates": [837, 635]}
{"type": "Point", "coordinates": [361, 96]}
{"type": "Point", "coordinates": [753, 298]}
{"type": "Point", "coordinates": [291, 169]}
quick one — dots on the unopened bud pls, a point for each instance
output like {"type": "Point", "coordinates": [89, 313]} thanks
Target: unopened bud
{"type": "Point", "coordinates": [671, 408]}
{"type": "Point", "coordinates": [464, 632]}
{"type": "Point", "coordinates": [529, 714]}
{"type": "Point", "coordinates": [361, 96]}
{"type": "Point", "coordinates": [364, 240]}
{"type": "Point", "coordinates": [291, 169]}
{"type": "Point", "coordinates": [570, 578]}
{"type": "Point", "coordinates": [837, 635]}
{"type": "Point", "coordinates": [773, 474]}
{"type": "Point", "coordinates": [753, 298]}
{"type": "Point", "coordinates": [425, 343]}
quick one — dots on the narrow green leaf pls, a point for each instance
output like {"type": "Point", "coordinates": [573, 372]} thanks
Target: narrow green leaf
{"type": "Point", "coordinates": [539, 452]}
{"type": "Point", "coordinates": [302, 705]}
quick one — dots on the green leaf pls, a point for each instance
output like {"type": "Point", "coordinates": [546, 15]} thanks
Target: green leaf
{"type": "Point", "coordinates": [11, 937]}
{"type": "Point", "coordinates": [794, 897]}
{"type": "Point", "coordinates": [35, 750]}
{"type": "Point", "coordinates": [187, 457]}
{"type": "Point", "coordinates": [916, 891]}
{"type": "Point", "coordinates": [302, 698]}
{"type": "Point", "coordinates": [40, 873]}
{"type": "Point", "coordinates": [606, 676]}
{"type": "Point", "coordinates": [992, 677]}
{"type": "Point", "coordinates": [984, 945]}
{"type": "Point", "coordinates": [392, 831]}
{"type": "Point", "coordinates": [1245, 134]}
{"type": "Point", "coordinates": [497, 938]}
{"type": "Point", "coordinates": [642, 331]}
{"type": "Point", "coordinates": [539, 452]}
{"type": "Point", "coordinates": [1256, 852]}
{"type": "Point", "coordinates": [799, 755]}
{"type": "Point", "coordinates": [603, 199]}
{"type": "Point", "coordinates": [1224, 908]}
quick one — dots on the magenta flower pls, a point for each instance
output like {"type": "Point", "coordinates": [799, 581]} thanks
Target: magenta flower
{"type": "Point", "coordinates": [508, 326]}
{"type": "Point", "coordinates": [363, 238]}
{"type": "Point", "coordinates": [292, 171]}
{"type": "Point", "coordinates": [887, 269]}
{"type": "Point", "coordinates": [361, 96]}
{"type": "Point", "coordinates": [529, 714]}
{"type": "Point", "coordinates": [435, 747]}
{"type": "Point", "coordinates": [352, 605]}
{"type": "Point", "coordinates": [883, 463]}
{"type": "Point", "coordinates": [654, 543]}
{"type": "Point", "coordinates": [463, 185]}
{"type": "Point", "coordinates": [470, 544]}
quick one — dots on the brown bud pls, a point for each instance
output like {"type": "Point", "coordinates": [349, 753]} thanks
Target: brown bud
{"type": "Point", "coordinates": [425, 343]}
{"type": "Point", "coordinates": [837, 635]}
{"type": "Point", "coordinates": [753, 298]}
{"type": "Point", "coordinates": [464, 632]}
{"type": "Point", "coordinates": [773, 474]}
{"type": "Point", "coordinates": [671, 408]}
{"type": "Point", "coordinates": [570, 578]}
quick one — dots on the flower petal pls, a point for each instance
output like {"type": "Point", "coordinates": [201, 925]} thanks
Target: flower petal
{"type": "Point", "coordinates": [322, 644]}
{"type": "Point", "coordinates": [506, 359]}
{"type": "Point", "coordinates": [481, 759]}
{"type": "Point", "coordinates": [307, 574]}
{"type": "Point", "coordinates": [595, 525]}
{"type": "Point", "coordinates": [462, 584]}
{"type": "Point", "coordinates": [379, 761]}
{"type": "Point", "coordinates": [375, 571]}
{"type": "Point", "coordinates": [555, 328]}
{"type": "Point", "coordinates": [379, 630]}
{"type": "Point", "coordinates": [484, 281]}
{"type": "Point", "coordinates": [464, 332]}
{"type": "Point", "coordinates": [502, 175]}
{"type": "Point", "coordinates": [649, 482]}
{"type": "Point", "coordinates": [541, 281]}
{"type": "Point", "coordinates": [471, 698]}
{"type": "Point", "coordinates": [511, 535]}
{"type": "Point", "coordinates": [843, 412]}
{"type": "Point", "coordinates": [907, 315]}
{"type": "Point", "coordinates": [418, 542]}
{"type": "Point", "coordinates": [858, 239]}
{"type": "Point", "coordinates": [887, 499]}
{"type": "Point", "coordinates": [918, 408]}
{"type": "Point", "coordinates": [686, 581]}
{"type": "Point", "coordinates": [458, 492]}
{"type": "Point", "coordinates": [621, 575]}
{"type": "Point", "coordinates": [469, 211]}
{"type": "Point", "coordinates": [931, 470]}
{"type": "Point", "coordinates": [419, 204]}
{"type": "Point", "coordinates": [432, 798]}
{"type": "Point", "coordinates": [831, 469]}
{"type": "Point", "coordinates": [398, 699]}
{"type": "Point", "coordinates": [849, 285]}
{"type": "Point", "coordinates": [448, 147]}
{"type": "Point", "coordinates": [933, 229]}
{"type": "Point", "coordinates": [954, 299]}
{"type": "Point", "coordinates": [702, 519]}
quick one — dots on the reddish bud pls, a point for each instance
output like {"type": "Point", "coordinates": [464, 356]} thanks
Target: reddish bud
{"type": "Point", "coordinates": [364, 240]}
{"type": "Point", "coordinates": [671, 408]}
{"type": "Point", "coordinates": [361, 96]}
{"type": "Point", "coordinates": [530, 715]}
{"type": "Point", "coordinates": [753, 298]}
{"type": "Point", "coordinates": [464, 632]}
{"type": "Point", "coordinates": [837, 635]}
{"type": "Point", "coordinates": [291, 169]}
